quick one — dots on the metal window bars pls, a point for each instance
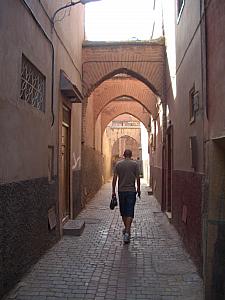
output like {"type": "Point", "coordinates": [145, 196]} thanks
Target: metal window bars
{"type": "Point", "coordinates": [32, 85]}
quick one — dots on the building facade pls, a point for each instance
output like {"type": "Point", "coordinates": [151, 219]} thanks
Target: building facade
{"type": "Point", "coordinates": [183, 149]}
{"type": "Point", "coordinates": [192, 173]}
{"type": "Point", "coordinates": [39, 157]}
{"type": "Point", "coordinates": [214, 126]}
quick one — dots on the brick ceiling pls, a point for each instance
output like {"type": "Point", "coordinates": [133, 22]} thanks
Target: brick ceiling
{"type": "Point", "coordinates": [123, 78]}
{"type": "Point", "coordinates": [142, 60]}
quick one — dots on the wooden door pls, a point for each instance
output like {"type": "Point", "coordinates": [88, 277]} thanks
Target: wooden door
{"type": "Point", "coordinates": [65, 164]}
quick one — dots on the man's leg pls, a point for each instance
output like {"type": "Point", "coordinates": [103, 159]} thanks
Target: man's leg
{"type": "Point", "coordinates": [127, 202]}
{"type": "Point", "coordinates": [127, 223]}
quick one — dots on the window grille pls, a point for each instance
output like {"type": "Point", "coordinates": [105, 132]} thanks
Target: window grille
{"type": "Point", "coordinates": [32, 85]}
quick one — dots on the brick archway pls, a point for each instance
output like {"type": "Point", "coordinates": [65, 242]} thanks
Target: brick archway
{"type": "Point", "coordinates": [142, 60]}
{"type": "Point", "coordinates": [116, 88]}
{"type": "Point", "coordinates": [115, 109]}
{"type": "Point", "coordinates": [129, 143]}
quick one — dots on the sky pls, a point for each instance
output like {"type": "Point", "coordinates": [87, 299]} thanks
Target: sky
{"type": "Point", "coordinates": [119, 20]}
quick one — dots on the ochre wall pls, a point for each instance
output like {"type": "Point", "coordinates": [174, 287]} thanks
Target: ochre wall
{"type": "Point", "coordinates": [186, 69]}
{"type": "Point", "coordinates": [27, 132]}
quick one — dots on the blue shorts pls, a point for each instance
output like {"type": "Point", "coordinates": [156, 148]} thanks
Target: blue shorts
{"type": "Point", "coordinates": [127, 202]}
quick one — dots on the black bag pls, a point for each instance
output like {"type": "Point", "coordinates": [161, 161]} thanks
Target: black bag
{"type": "Point", "coordinates": [113, 202]}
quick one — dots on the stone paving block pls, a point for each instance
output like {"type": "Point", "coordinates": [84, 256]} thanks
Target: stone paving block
{"type": "Point", "coordinates": [96, 265]}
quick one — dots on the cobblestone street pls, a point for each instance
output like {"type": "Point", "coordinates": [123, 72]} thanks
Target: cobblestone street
{"type": "Point", "coordinates": [97, 265]}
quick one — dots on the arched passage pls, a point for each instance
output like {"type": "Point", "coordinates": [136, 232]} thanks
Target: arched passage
{"type": "Point", "coordinates": [110, 73]}
{"type": "Point", "coordinates": [126, 99]}
{"type": "Point", "coordinates": [115, 109]}
{"type": "Point", "coordinates": [145, 60]}
{"type": "Point", "coordinates": [125, 142]}
{"type": "Point", "coordinates": [124, 131]}
{"type": "Point", "coordinates": [115, 88]}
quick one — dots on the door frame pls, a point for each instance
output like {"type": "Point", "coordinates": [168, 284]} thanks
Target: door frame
{"type": "Point", "coordinates": [66, 122]}
{"type": "Point", "coordinates": [169, 171]}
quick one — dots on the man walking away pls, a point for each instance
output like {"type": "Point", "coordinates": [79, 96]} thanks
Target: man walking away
{"type": "Point", "coordinates": [127, 172]}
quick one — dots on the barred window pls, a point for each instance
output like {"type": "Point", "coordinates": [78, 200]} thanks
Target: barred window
{"type": "Point", "coordinates": [32, 85]}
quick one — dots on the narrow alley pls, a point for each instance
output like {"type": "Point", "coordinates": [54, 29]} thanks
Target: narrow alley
{"type": "Point", "coordinates": [97, 265]}
{"type": "Point", "coordinates": [81, 82]}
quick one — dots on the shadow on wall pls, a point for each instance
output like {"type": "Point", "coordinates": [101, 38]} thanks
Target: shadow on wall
{"type": "Point", "coordinates": [216, 224]}
{"type": "Point", "coordinates": [92, 173]}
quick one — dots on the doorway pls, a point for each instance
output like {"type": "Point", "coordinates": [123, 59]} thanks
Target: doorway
{"type": "Point", "coordinates": [169, 164]}
{"type": "Point", "coordinates": [65, 164]}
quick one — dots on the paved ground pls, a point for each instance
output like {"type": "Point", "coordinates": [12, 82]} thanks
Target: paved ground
{"type": "Point", "coordinates": [98, 266]}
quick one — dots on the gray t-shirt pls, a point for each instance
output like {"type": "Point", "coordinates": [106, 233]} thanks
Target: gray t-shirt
{"type": "Point", "coordinates": [127, 171]}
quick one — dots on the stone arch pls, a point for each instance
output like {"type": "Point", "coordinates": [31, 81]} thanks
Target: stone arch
{"type": "Point", "coordinates": [142, 60]}
{"type": "Point", "coordinates": [129, 143]}
{"type": "Point", "coordinates": [114, 110]}
{"type": "Point", "coordinates": [121, 99]}
{"type": "Point", "coordinates": [115, 88]}
{"type": "Point", "coordinates": [126, 71]}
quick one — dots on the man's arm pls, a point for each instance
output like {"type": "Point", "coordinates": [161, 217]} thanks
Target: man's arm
{"type": "Point", "coordinates": [138, 186]}
{"type": "Point", "coordinates": [138, 181]}
{"type": "Point", "coordinates": [114, 184]}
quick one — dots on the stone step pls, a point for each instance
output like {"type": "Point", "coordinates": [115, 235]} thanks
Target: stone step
{"type": "Point", "coordinates": [150, 192]}
{"type": "Point", "coordinates": [73, 227]}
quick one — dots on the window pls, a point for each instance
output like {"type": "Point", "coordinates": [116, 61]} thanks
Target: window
{"type": "Point", "coordinates": [180, 6]}
{"type": "Point", "coordinates": [32, 85]}
{"type": "Point", "coordinates": [193, 103]}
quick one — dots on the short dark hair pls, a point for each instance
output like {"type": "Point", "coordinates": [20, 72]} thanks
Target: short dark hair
{"type": "Point", "coordinates": [127, 153]}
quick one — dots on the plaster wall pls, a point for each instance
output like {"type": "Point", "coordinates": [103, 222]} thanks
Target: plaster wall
{"type": "Point", "coordinates": [156, 158]}
{"type": "Point", "coordinates": [215, 68]}
{"type": "Point", "coordinates": [170, 44]}
{"type": "Point", "coordinates": [186, 27]}
{"type": "Point", "coordinates": [24, 147]}
{"type": "Point", "coordinates": [27, 132]}
{"type": "Point", "coordinates": [117, 133]}
{"type": "Point", "coordinates": [93, 165]}
{"type": "Point", "coordinates": [75, 172]}
{"type": "Point", "coordinates": [67, 37]}
{"type": "Point", "coordinates": [98, 134]}
{"type": "Point", "coordinates": [125, 142]}
{"type": "Point", "coordinates": [89, 123]}
{"type": "Point", "coordinates": [183, 129]}
{"type": "Point", "coordinates": [145, 154]}
{"type": "Point", "coordinates": [25, 192]}
{"type": "Point", "coordinates": [182, 75]}
{"type": "Point", "coordinates": [76, 136]}
{"type": "Point", "coordinates": [215, 150]}
{"type": "Point", "coordinates": [69, 25]}
{"type": "Point", "coordinates": [107, 152]}
{"type": "Point", "coordinates": [214, 236]}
